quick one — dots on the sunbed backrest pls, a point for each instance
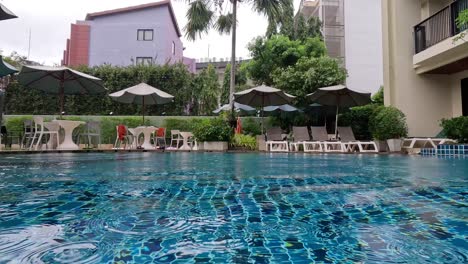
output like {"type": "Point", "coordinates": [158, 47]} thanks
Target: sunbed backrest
{"type": "Point", "coordinates": [319, 133]}
{"type": "Point", "coordinates": [301, 134]}
{"type": "Point", "coordinates": [346, 134]}
{"type": "Point", "coordinates": [274, 134]}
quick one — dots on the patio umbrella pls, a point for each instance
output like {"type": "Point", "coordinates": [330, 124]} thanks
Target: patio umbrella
{"type": "Point", "coordinates": [339, 96]}
{"type": "Point", "coordinates": [6, 69]}
{"type": "Point", "coordinates": [261, 96]}
{"type": "Point", "coordinates": [237, 107]}
{"type": "Point", "coordinates": [142, 94]}
{"type": "Point", "coordinates": [60, 80]}
{"type": "Point", "coordinates": [5, 13]}
{"type": "Point", "coordinates": [284, 108]}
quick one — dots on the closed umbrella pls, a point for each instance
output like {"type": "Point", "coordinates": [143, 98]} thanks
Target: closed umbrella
{"type": "Point", "coordinates": [5, 13]}
{"type": "Point", "coordinates": [142, 94]}
{"type": "Point", "coordinates": [261, 96]}
{"type": "Point", "coordinates": [61, 81]}
{"type": "Point", "coordinates": [339, 96]}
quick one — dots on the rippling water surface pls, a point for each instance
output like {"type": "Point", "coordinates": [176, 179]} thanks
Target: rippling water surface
{"type": "Point", "coordinates": [232, 208]}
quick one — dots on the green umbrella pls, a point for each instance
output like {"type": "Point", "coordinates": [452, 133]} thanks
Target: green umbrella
{"type": "Point", "coordinates": [60, 81]}
{"type": "Point", "coordinates": [6, 69]}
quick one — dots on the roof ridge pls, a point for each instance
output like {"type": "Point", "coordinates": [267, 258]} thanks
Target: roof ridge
{"type": "Point", "coordinates": [90, 16]}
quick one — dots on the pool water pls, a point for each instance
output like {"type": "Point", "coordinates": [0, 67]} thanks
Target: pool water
{"type": "Point", "coordinates": [232, 208]}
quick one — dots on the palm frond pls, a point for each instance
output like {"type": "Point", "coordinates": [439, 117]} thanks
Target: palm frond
{"type": "Point", "coordinates": [200, 19]}
{"type": "Point", "coordinates": [224, 24]}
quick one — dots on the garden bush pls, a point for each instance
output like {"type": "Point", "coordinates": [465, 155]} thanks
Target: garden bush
{"type": "Point", "coordinates": [388, 123]}
{"type": "Point", "coordinates": [456, 128]}
{"type": "Point", "coordinates": [358, 119]}
{"type": "Point", "coordinates": [244, 141]}
{"type": "Point", "coordinates": [250, 126]}
{"type": "Point", "coordinates": [213, 129]}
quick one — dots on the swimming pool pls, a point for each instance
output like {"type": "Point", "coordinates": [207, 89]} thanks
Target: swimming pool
{"type": "Point", "coordinates": [237, 208]}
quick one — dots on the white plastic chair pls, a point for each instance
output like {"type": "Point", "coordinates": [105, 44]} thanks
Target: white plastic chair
{"type": "Point", "coordinates": [176, 137]}
{"type": "Point", "coordinates": [40, 131]}
{"type": "Point", "coordinates": [92, 129]}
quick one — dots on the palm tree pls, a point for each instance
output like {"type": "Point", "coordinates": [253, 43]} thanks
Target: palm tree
{"type": "Point", "coordinates": [203, 15]}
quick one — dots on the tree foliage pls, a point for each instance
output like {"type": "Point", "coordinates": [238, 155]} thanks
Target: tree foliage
{"type": "Point", "coordinates": [309, 74]}
{"type": "Point", "coordinates": [272, 55]}
{"type": "Point", "coordinates": [206, 90]}
{"type": "Point", "coordinates": [202, 15]}
{"type": "Point", "coordinates": [241, 81]}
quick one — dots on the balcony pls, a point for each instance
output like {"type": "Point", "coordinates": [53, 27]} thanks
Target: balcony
{"type": "Point", "coordinates": [439, 26]}
{"type": "Point", "coordinates": [435, 50]}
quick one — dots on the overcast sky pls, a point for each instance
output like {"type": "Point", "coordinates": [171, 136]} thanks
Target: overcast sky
{"type": "Point", "coordinates": [49, 22]}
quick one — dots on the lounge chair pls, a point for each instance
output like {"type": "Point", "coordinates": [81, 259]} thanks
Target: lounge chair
{"type": "Point", "coordinates": [320, 142]}
{"type": "Point", "coordinates": [275, 142]}
{"type": "Point", "coordinates": [300, 137]}
{"type": "Point", "coordinates": [351, 144]}
{"type": "Point", "coordinates": [420, 142]}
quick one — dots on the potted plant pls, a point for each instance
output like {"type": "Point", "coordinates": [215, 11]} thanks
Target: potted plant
{"type": "Point", "coordinates": [389, 124]}
{"type": "Point", "coordinates": [214, 134]}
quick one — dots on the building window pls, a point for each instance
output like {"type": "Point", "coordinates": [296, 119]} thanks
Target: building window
{"type": "Point", "coordinates": [144, 61]}
{"type": "Point", "coordinates": [173, 48]}
{"type": "Point", "coordinates": [145, 35]}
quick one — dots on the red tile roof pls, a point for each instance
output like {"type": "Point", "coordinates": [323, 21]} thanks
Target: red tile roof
{"type": "Point", "coordinates": [91, 16]}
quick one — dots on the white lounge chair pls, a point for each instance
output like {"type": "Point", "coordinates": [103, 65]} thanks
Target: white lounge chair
{"type": "Point", "coordinates": [275, 141]}
{"type": "Point", "coordinates": [351, 144]}
{"type": "Point", "coordinates": [300, 137]}
{"type": "Point", "coordinates": [320, 142]}
{"type": "Point", "coordinates": [420, 142]}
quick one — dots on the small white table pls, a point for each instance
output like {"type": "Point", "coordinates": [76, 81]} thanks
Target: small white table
{"type": "Point", "coordinates": [68, 127]}
{"type": "Point", "coordinates": [185, 136]}
{"type": "Point", "coordinates": [147, 131]}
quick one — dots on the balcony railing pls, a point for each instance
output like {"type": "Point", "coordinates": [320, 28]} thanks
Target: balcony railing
{"type": "Point", "coordinates": [439, 26]}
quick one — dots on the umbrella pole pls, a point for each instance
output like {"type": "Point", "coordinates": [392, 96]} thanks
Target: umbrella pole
{"type": "Point", "coordinates": [336, 122]}
{"type": "Point", "coordinates": [143, 110]}
{"type": "Point", "coordinates": [62, 99]}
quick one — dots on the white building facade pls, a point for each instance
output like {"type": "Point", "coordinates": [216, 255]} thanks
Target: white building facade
{"type": "Point", "coordinates": [353, 34]}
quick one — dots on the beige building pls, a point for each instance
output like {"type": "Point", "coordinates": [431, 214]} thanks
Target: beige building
{"type": "Point", "coordinates": [425, 71]}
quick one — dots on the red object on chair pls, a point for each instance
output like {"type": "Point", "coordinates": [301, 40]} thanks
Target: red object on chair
{"type": "Point", "coordinates": [161, 132]}
{"type": "Point", "coordinates": [122, 131]}
{"type": "Point", "coordinates": [239, 126]}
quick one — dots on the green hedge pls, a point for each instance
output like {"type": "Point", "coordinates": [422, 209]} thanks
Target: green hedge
{"type": "Point", "coordinates": [456, 128]}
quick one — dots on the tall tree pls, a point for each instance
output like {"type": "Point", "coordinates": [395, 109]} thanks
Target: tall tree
{"type": "Point", "coordinates": [206, 14]}
{"type": "Point", "coordinates": [241, 81]}
{"type": "Point", "coordinates": [206, 90]}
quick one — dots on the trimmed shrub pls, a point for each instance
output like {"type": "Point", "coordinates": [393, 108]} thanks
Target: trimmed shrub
{"type": "Point", "coordinates": [244, 141]}
{"type": "Point", "coordinates": [358, 119]}
{"type": "Point", "coordinates": [456, 128]}
{"type": "Point", "coordinates": [16, 123]}
{"type": "Point", "coordinates": [388, 123]}
{"type": "Point", "coordinates": [213, 129]}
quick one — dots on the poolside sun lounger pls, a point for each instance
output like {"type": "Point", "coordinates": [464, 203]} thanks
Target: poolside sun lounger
{"type": "Point", "coordinates": [320, 142]}
{"type": "Point", "coordinates": [419, 142]}
{"type": "Point", "coordinates": [275, 141]}
{"type": "Point", "coordinates": [300, 136]}
{"type": "Point", "coordinates": [351, 144]}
